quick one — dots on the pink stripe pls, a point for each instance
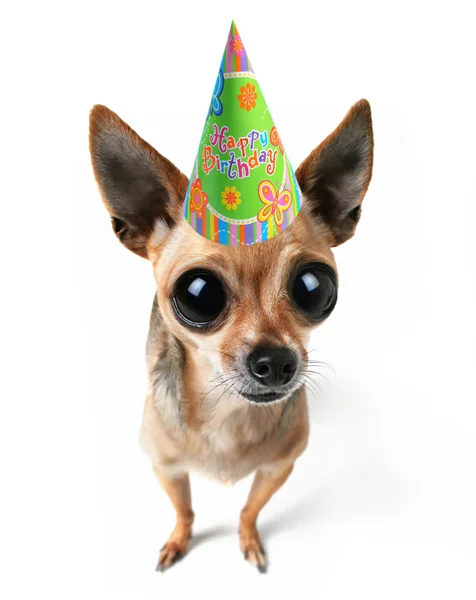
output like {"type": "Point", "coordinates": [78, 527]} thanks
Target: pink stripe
{"type": "Point", "coordinates": [229, 57]}
{"type": "Point", "coordinates": [233, 235]}
{"type": "Point", "coordinates": [258, 231]}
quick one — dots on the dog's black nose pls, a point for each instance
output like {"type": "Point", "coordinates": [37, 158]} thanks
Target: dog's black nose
{"type": "Point", "coordinates": [272, 366]}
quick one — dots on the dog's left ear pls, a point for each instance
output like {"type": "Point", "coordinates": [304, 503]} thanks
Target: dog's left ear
{"type": "Point", "coordinates": [336, 175]}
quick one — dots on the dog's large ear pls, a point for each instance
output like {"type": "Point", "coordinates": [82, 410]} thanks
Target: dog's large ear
{"type": "Point", "coordinates": [141, 189]}
{"type": "Point", "coordinates": [336, 175]}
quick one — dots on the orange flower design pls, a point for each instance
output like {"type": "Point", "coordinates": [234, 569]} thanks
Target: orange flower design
{"type": "Point", "coordinates": [248, 97]}
{"type": "Point", "coordinates": [198, 198]}
{"type": "Point", "coordinates": [275, 139]}
{"type": "Point", "coordinates": [236, 45]}
{"type": "Point", "coordinates": [230, 198]}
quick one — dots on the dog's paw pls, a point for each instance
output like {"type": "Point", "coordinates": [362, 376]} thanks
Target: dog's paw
{"type": "Point", "coordinates": [174, 549]}
{"type": "Point", "coordinates": [250, 545]}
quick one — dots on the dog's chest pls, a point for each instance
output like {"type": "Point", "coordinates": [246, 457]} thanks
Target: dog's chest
{"type": "Point", "coordinates": [231, 444]}
{"type": "Point", "coordinates": [221, 435]}
{"type": "Point", "coordinates": [227, 441]}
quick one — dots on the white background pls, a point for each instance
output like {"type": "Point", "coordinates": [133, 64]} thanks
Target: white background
{"type": "Point", "coordinates": [382, 504]}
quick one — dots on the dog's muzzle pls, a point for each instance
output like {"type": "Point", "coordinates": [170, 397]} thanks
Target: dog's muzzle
{"type": "Point", "coordinates": [272, 370]}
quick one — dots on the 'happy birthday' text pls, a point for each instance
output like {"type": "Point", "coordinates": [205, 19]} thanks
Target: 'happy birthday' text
{"type": "Point", "coordinates": [244, 154]}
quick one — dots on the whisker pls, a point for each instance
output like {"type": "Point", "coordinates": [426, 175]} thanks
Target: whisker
{"type": "Point", "coordinates": [213, 388]}
{"type": "Point", "coordinates": [318, 373]}
{"type": "Point", "coordinates": [313, 384]}
{"type": "Point", "coordinates": [221, 396]}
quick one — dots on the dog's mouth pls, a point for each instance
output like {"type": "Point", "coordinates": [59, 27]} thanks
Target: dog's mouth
{"type": "Point", "coordinates": [266, 397]}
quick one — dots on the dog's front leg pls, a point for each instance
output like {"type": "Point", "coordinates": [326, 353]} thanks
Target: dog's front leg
{"type": "Point", "coordinates": [178, 490]}
{"type": "Point", "coordinates": [265, 484]}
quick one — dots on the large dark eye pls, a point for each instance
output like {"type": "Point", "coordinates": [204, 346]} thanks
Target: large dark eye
{"type": "Point", "coordinates": [313, 291]}
{"type": "Point", "coordinates": [199, 297]}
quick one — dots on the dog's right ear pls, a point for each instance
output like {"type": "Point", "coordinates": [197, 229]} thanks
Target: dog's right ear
{"type": "Point", "coordinates": [142, 190]}
{"type": "Point", "coordinates": [335, 176]}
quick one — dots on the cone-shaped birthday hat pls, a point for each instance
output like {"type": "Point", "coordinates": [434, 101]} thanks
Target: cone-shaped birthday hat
{"type": "Point", "coordinates": [243, 189]}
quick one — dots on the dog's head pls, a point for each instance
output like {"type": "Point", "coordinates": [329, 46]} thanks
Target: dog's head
{"type": "Point", "coordinates": [248, 310]}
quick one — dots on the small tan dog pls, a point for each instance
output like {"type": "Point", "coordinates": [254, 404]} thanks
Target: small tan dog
{"type": "Point", "coordinates": [226, 351]}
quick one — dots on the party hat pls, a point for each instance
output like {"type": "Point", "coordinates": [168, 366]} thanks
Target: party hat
{"type": "Point", "coordinates": [243, 189]}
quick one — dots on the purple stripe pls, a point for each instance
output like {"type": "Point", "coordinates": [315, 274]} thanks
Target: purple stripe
{"type": "Point", "coordinates": [199, 226]}
{"type": "Point", "coordinates": [244, 60]}
{"type": "Point", "coordinates": [249, 233]}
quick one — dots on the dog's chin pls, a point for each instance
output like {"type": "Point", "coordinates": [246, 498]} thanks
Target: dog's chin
{"type": "Point", "coordinates": [268, 397]}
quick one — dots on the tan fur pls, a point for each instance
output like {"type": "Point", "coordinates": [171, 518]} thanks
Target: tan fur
{"type": "Point", "coordinates": [223, 439]}
{"type": "Point", "coordinates": [226, 437]}
{"type": "Point", "coordinates": [199, 420]}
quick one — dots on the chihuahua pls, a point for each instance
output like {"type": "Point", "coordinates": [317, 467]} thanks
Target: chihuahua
{"type": "Point", "coordinates": [226, 351]}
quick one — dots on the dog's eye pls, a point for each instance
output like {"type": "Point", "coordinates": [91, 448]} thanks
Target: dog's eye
{"type": "Point", "coordinates": [313, 291]}
{"type": "Point", "coordinates": [199, 298]}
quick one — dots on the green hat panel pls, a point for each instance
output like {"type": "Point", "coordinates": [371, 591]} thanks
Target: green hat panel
{"type": "Point", "coordinates": [243, 189]}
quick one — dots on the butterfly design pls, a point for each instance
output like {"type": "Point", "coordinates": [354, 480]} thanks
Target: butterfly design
{"type": "Point", "coordinates": [216, 105]}
{"type": "Point", "coordinates": [275, 203]}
